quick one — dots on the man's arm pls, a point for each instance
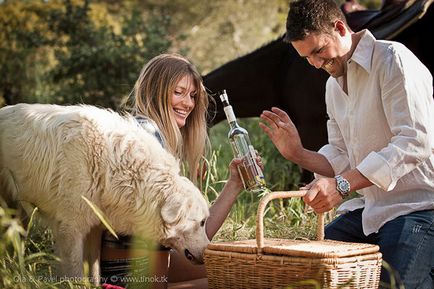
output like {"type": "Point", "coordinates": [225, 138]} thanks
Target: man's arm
{"type": "Point", "coordinates": [322, 194]}
{"type": "Point", "coordinates": [283, 133]}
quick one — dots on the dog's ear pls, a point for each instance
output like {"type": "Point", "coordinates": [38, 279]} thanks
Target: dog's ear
{"type": "Point", "coordinates": [174, 209]}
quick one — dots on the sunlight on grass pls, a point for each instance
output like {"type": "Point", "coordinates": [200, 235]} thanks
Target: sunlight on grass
{"type": "Point", "coordinates": [284, 218]}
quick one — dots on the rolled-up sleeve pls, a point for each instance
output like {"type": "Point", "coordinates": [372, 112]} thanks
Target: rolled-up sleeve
{"type": "Point", "coordinates": [335, 151]}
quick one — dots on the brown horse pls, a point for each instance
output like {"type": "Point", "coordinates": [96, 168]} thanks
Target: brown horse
{"type": "Point", "coordinates": [274, 75]}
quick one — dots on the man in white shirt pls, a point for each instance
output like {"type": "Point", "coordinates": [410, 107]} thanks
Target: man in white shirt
{"type": "Point", "coordinates": [381, 140]}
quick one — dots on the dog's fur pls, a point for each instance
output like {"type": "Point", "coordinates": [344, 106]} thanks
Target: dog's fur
{"type": "Point", "coordinates": [51, 156]}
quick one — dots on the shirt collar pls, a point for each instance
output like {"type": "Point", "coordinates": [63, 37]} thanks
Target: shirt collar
{"type": "Point", "coordinates": [364, 50]}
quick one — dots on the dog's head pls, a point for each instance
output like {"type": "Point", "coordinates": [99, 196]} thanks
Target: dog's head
{"type": "Point", "coordinates": [184, 214]}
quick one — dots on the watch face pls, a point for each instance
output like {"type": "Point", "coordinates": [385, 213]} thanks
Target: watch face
{"type": "Point", "coordinates": [344, 186]}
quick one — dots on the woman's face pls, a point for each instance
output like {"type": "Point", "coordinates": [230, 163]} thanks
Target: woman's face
{"type": "Point", "coordinates": [183, 99]}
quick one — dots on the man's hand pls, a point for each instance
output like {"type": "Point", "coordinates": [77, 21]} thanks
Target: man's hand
{"type": "Point", "coordinates": [282, 132]}
{"type": "Point", "coordinates": [322, 195]}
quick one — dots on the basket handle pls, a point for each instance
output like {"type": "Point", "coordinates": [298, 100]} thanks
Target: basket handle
{"type": "Point", "coordinates": [281, 195]}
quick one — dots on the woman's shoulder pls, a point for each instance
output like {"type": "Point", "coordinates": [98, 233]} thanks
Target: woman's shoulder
{"type": "Point", "coordinates": [146, 122]}
{"type": "Point", "coordinates": [151, 127]}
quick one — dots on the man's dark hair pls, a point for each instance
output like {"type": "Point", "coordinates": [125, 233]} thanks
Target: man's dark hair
{"type": "Point", "coordinates": [307, 16]}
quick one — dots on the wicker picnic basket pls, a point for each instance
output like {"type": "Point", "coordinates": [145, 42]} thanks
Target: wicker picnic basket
{"type": "Point", "coordinates": [281, 263]}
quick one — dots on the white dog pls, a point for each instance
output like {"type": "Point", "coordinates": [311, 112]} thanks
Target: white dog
{"type": "Point", "coordinates": [51, 156]}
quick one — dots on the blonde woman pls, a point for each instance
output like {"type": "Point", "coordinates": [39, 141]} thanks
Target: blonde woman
{"type": "Point", "coordinates": [169, 100]}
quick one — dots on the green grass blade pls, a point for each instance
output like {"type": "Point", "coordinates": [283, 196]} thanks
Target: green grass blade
{"type": "Point", "coordinates": [100, 216]}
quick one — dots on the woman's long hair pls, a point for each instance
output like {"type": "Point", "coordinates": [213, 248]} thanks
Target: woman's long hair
{"type": "Point", "coordinates": [151, 97]}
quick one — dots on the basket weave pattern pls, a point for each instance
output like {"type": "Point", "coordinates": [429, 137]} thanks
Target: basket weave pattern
{"type": "Point", "coordinates": [280, 263]}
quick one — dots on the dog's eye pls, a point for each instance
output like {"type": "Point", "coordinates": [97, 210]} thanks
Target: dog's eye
{"type": "Point", "coordinates": [202, 223]}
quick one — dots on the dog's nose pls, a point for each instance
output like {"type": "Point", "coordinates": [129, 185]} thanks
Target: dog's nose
{"type": "Point", "coordinates": [188, 255]}
{"type": "Point", "coordinates": [193, 259]}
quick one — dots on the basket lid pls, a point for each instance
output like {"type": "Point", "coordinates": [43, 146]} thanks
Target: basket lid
{"type": "Point", "coordinates": [298, 248]}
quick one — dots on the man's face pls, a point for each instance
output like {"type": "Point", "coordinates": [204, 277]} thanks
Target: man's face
{"type": "Point", "coordinates": [326, 50]}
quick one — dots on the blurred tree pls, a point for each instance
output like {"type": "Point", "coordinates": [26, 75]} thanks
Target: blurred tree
{"type": "Point", "coordinates": [226, 30]}
{"type": "Point", "coordinates": [214, 32]}
{"type": "Point", "coordinates": [97, 65]}
{"type": "Point", "coordinates": [23, 56]}
{"type": "Point", "coordinates": [69, 51]}
{"type": "Point", "coordinates": [76, 55]}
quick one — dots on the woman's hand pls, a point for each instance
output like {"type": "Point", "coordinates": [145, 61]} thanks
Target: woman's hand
{"type": "Point", "coordinates": [222, 206]}
{"type": "Point", "coordinates": [234, 175]}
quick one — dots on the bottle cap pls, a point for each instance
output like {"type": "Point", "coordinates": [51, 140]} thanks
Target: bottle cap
{"type": "Point", "coordinates": [223, 95]}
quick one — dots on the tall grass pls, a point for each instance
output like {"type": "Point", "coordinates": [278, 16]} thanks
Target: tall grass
{"type": "Point", "coordinates": [26, 252]}
{"type": "Point", "coordinates": [284, 218]}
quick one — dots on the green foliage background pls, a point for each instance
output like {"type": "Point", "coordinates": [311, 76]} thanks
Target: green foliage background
{"type": "Point", "coordinates": [92, 51]}
{"type": "Point", "coordinates": [83, 51]}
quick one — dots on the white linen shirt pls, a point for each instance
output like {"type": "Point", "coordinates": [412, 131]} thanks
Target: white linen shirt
{"type": "Point", "coordinates": [384, 127]}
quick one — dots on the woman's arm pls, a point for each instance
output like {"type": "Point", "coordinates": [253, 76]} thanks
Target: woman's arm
{"type": "Point", "coordinates": [223, 204]}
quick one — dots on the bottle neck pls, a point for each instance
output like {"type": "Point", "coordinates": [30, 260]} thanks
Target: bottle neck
{"type": "Point", "coordinates": [230, 115]}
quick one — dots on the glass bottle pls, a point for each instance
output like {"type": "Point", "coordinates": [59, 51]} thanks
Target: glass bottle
{"type": "Point", "coordinates": [251, 174]}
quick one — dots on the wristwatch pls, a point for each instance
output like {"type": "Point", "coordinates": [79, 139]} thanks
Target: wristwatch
{"type": "Point", "coordinates": [342, 186]}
